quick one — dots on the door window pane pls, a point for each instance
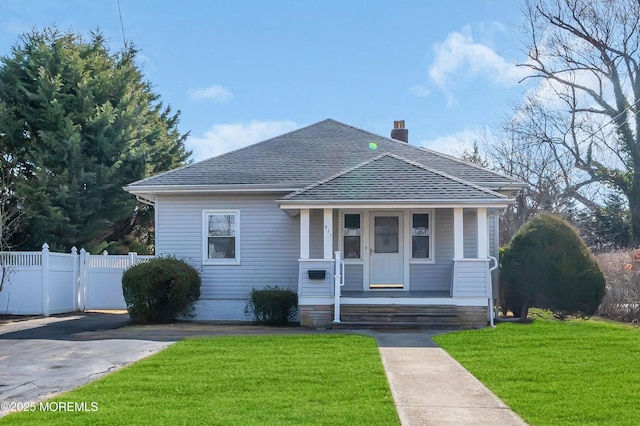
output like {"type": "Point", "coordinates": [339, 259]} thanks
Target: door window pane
{"type": "Point", "coordinates": [386, 234]}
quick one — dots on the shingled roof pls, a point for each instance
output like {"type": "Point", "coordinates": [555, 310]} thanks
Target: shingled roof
{"type": "Point", "coordinates": [389, 177]}
{"type": "Point", "coordinates": [306, 156]}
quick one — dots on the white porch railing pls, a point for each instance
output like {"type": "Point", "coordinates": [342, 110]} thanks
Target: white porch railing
{"type": "Point", "coordinates": [471, 278]}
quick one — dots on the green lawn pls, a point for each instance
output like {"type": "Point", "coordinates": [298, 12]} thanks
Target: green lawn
{"type": "Point", "coordinates": [256, 380]}
{"type": "Point", "coordinates": [557, 373]}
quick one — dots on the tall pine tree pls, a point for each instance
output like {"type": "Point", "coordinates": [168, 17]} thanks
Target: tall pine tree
{"type": "Point", "coordinates": [77, 123]}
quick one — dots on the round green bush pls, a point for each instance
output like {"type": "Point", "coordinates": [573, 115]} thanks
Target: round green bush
{"type": "Point", "coordinates": [547, 265]}
{"type": "Point", "coordinates": [272, 305]}
{"type": "Point", "coordinates": [160, 290]}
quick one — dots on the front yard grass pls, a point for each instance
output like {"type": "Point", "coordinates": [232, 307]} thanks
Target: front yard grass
{"type": "Point", "coordinates": [254, 380]}
{"type": "Point", "coordinates": [552, 372]}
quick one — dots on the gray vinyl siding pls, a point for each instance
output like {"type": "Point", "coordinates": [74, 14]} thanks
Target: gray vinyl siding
{"type": "Point", "coordinates": [316, 235]}
{"type": "Point", "coordinates": [352, 277]}
{"type": "Point", "coordinates": [436, 276]}
{"type": "Point", "coordinates": [470, 233]}
{"type": "Point", "coordinates": [316, 287]}
{"type": "Point", "coordinates": [471, 279]}
{"type": "Point", "coordinates": [269, 241]}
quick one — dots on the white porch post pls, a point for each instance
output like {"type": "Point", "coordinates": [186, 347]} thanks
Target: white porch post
{"type": "Point", "coordinates": [483, 233]}
{"type": "Point", "coordinates": [328, 233]}
{"type": "Point", "coordinates": [337, 283]}
{"type": "Point", "coordinates": [458, 233]}
{"type": "Point", "coordinates": [304, 233]}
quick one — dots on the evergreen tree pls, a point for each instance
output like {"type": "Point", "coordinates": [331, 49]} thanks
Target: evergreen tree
{"type": "Point", "coordinates": [608, 228]}
{"type": "Point", "coordinates": [77, 123]}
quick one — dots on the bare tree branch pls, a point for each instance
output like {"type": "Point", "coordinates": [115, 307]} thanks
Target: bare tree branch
{"type": "Point", "coordinates": [585, 115]}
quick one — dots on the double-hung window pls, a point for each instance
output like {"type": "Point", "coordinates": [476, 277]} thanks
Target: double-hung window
{"type": "Point", "coordinates": [421, 242]}
{"type": "Point", "coordinates": [221, 236]}
{"type": "Point", "coordinates": [352, 231]}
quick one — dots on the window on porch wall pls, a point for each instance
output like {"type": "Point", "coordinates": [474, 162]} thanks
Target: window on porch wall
{"type": "Point", "coordinates": [420, 236]}
{"type": "Point", "coordinates": [352, 234]}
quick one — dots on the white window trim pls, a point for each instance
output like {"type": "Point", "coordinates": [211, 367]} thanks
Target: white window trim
{"type": "Point", "coordinates": [341, 214]}
{"type": "Point", "coordinates": [205, 238]}
{"type": "Point", "coordinates": [432, 257]}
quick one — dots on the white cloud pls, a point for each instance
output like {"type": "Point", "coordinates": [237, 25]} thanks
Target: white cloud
{"type": "Point", "coordinates": [223, 138]}
{"type": "Point", "coordinates": [460, 55]}
{"type": "Point", "coordinates": [420, 90]}
{"type": "Point", "coordinates": [454, 144]}
{"type": "Point", "coordinates": [215, 92]}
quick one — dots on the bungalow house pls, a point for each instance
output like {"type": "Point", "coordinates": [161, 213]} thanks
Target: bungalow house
{"type": "Point", "coordinates": [365, 228]}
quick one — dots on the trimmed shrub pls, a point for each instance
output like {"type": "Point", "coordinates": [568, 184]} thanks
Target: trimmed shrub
{"type": "Point", "coordinates": [272, 305]}
{"type": "Point", "coordinates": [547, 265]}
{"type": "Point", "coordinates": [160, 290]}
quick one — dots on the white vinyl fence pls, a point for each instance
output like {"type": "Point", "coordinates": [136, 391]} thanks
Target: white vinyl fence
{"type": "Point", "coordinates": [45, 283]}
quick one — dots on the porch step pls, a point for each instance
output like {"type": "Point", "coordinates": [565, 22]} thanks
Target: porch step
{"type": "Point", "coordinates": [396, 325]}
{"type": "Point", "coordinates": [399, 317]}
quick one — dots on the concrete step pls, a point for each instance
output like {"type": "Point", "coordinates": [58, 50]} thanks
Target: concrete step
{"type": "Point", "coordinates": [428, 309]}
{"type": "Point", "coordinates": [400, 317]}
{"type": "Point", "coordinates": [402, 314]}
{"type": "Point", "coordinates": [373, 325]}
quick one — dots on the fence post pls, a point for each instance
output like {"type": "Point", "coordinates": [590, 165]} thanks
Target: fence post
{"type": "Point", "coordinates": [133, 258]}
{"type": "Point", "coordinates": [75, 279]}
{"type": "Point", "coordinates": [82, 280]}
{"type": "Point", "coordinates": [45, 280]}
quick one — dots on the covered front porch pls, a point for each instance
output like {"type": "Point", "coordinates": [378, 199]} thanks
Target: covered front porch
{"type": "Point", "coordinates": [409, 257]}
{"type": "Point", "coordinates": [391, 232]}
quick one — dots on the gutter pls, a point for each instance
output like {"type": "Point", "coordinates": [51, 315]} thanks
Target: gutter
{"type": "Point", "coordinates": [442, 203]}
{"type": "Point", "coordinates": [190, 189]}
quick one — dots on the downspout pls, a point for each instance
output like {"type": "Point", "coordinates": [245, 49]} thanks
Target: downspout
{"type": "Point", "coordinates": [493, 268]}
{"type": "Point", "coordinates": [491, 317]}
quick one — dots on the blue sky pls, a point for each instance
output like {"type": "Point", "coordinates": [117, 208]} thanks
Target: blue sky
{"type": "Point", "coordinates": [241, 71]}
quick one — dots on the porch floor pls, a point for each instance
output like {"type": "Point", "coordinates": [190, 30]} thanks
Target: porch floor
{"type": "Point", "coordinates": [397, 294]}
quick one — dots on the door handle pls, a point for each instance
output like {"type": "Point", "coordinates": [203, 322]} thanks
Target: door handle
{"type": "Point", "coordinates": [371, 252]}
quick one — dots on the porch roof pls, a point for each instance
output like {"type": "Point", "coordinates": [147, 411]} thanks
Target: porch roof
{"type": "Point", "coordinates": [391, 178]}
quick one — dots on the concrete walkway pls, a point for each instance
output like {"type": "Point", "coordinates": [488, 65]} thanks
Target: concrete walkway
{"type": "Point", "coordinates": [431, 388]}
{"type": "Point", "coordinates": [45, 356]}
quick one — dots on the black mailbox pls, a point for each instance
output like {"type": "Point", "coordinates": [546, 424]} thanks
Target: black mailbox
{"type": "Point", "coordinates": [317, 274]}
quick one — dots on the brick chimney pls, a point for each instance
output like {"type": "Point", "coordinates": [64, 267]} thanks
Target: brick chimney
{"type": "Point", "coordinates": [399, 132]}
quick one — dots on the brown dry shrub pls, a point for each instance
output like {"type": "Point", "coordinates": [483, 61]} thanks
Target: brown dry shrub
{"type": "Point", "coordinates": [621, 270]}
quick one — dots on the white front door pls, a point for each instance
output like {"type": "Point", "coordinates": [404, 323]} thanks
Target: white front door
{"type": "Point", "coordinates": [386, 254]}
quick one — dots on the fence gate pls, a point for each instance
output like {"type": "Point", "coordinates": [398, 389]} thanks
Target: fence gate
{"type": "Point", "coordinates": [101, 279]}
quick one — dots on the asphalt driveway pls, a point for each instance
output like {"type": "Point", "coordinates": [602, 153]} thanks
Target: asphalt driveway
{"type": "Point", "coordinates": [45, 356]}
